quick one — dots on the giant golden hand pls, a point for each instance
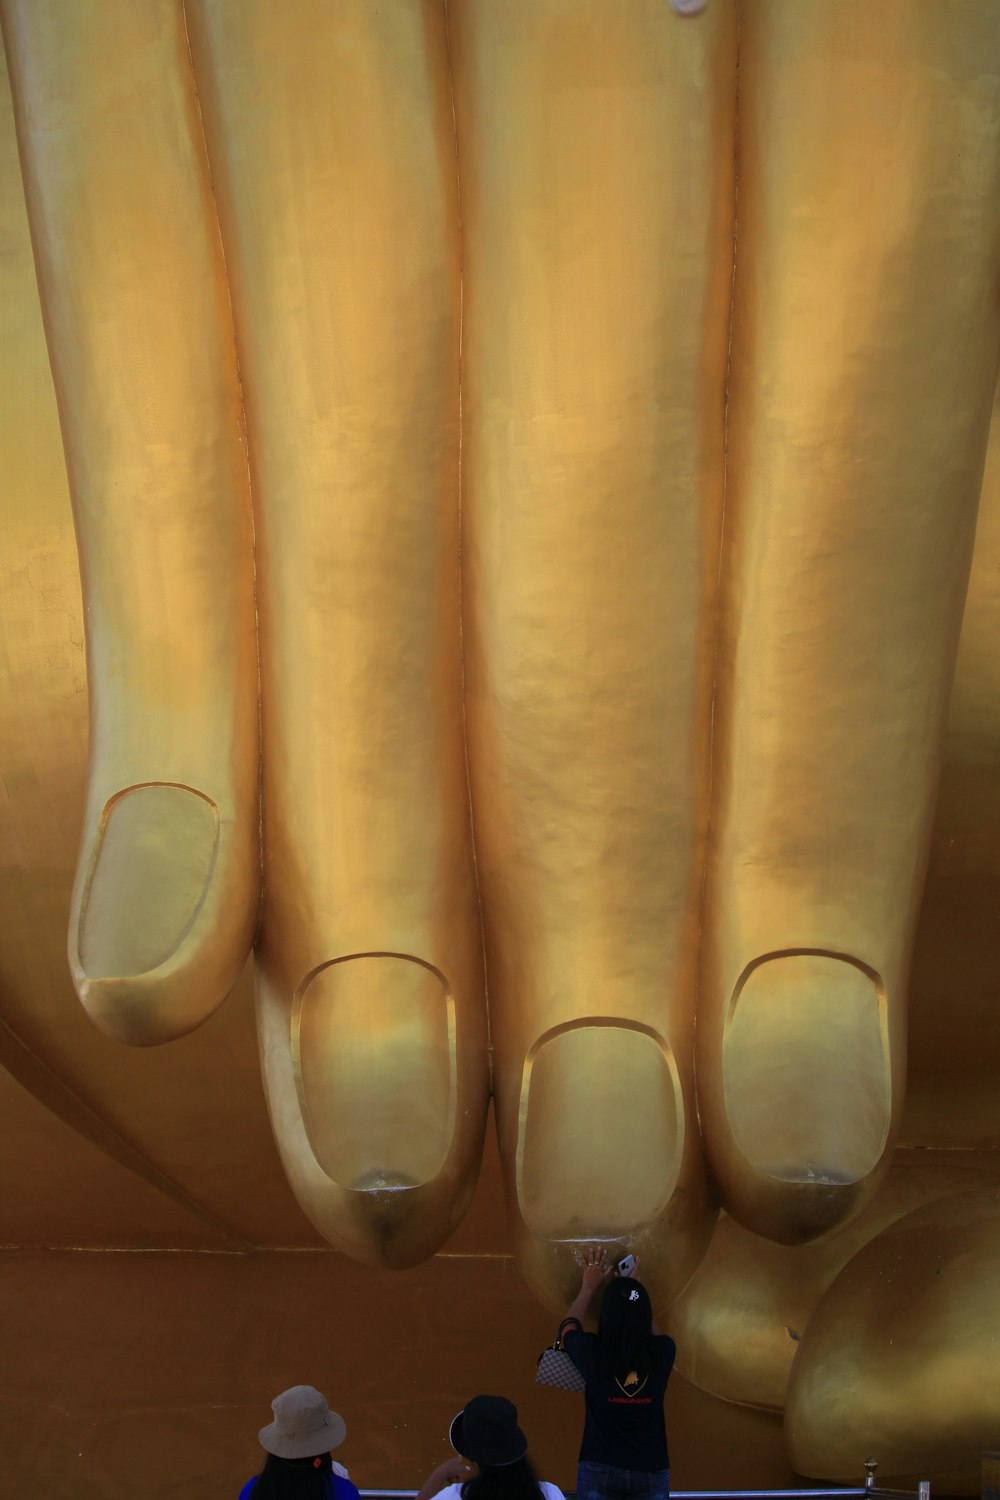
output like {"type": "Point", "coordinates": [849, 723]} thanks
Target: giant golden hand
{"type": "Point", "coordinates": [419, 280]}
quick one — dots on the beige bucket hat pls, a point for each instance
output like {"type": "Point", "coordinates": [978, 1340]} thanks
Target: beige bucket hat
{"type": "Point", "coordinates": [303, 1426]}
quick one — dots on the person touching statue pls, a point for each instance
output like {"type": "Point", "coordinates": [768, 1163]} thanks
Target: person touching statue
{"type": "Point", "coordinates": [626, 1366]}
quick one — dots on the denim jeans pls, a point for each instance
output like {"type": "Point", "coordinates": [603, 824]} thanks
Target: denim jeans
{"type": "Point", "coordinates": [602, 1482]}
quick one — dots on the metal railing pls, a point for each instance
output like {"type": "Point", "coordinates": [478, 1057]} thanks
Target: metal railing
{"type": "Point", "coordinates": [870, 1490]}
{"type": "Point", "coordinates": [833, 1492]}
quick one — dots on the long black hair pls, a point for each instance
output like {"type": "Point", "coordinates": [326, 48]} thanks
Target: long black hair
{"type": "Point", "coordinates": [516, 1481]}
{"type": "Point", "coordinates": [294, 1479]}
{"type": "Point", "coordinates": [625, 1334]}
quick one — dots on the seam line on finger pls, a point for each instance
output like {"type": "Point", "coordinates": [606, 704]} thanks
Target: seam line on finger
{"type": "Point", "coordinates": [245, 444]}
{"type": "Point", "coordinates": [722, 531]}
{"type": "Point", "coordinates": [461, 560]}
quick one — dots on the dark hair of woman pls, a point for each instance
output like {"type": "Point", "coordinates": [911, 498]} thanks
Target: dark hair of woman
{"type": "Point", "coordinates": [625, 1333]}
{"type": "Point", "coordinates": [516, 1481]}
{"type": "Point", "coordinates": [294, 1479]}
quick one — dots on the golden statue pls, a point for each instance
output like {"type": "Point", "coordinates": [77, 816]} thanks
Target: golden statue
{"type": "Point", "coordinates": [525, 460]}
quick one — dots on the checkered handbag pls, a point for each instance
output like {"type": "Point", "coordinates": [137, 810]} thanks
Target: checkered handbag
{"type": "Point", "coordinates": [555, 1368]}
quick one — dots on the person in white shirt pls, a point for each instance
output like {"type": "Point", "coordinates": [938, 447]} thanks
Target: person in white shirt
{"type": "Point", "coordinates": [492, 1458]}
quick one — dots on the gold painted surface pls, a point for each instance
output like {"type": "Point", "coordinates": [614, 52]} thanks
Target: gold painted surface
{"type": "Point", "coordinates": [902, 1350]}
{"type": "Point", "coordinates": [954, 1040]}
{"type": "Point", "coordinates": [61, 1188]}
{"type": "Point", "coordinates": [862, 379]}
{"type": "Point", "coordinates": [593, 396]}
{"type": "Point", "coordinates": [593, 401]}
{"type": "Point", "coordinates": [144, 369]}
{"type": "Point", "coordinates": [163, 1109]}
{"type": "Point", "coordinates": [745, 1314]}
{"type": "Point", "coordinates": [333, 157]}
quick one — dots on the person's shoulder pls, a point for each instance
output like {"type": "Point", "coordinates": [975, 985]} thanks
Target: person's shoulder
{"type": "Point", "coordinates": [572, 1328]}
{"type": "Point", "coordinates": [550, 1491]}
{"type": "Point", "coordinates": [579, 1346]}
{"type": "Point", "coordinates": [343, 1489]}
{"type": "Point", "coordinates": [248, 1487]}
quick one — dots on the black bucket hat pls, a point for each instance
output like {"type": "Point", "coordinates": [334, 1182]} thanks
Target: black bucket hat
{"type": "Point", "coordinates": [486, 1431]}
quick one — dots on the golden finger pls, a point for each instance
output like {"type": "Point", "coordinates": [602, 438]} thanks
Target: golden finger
{"type": "Point", "coordinates": [140, 340]}
{"type": "Point", "coordinates": [597, 258]}
{"type": "Point", "coordinates": [864, 350]}
{"type": "Point", "coordinates": [332, 145]}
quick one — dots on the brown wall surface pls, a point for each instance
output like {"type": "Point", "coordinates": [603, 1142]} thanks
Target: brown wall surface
{"type": "Point", "coordinates": [149, 1373]}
